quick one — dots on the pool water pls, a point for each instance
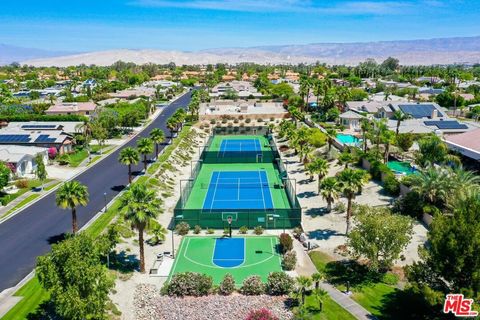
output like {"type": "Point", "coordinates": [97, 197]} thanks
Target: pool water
{"type": "Point", "coordinates": [401, 167]}
{"type": "Point", "coordinates": [347, 139]}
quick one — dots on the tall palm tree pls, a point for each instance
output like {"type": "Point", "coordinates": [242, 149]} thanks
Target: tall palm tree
{"type": "Point", "coordinates": [70, 195]}
{"type": "Point", "coordinates": [157, 135]}
{"type": "Point", "coordinates": [350, 182]}
{"type": "Point", "coordinates": [303, 283]}
{"type": "Point", "coordinates": [319, 167]}
{"type": "Point", "coordinates": [317, 277]}
{"type": "Point", "coordinates": [320, 296]}
{"type": "Point", "coordinates": [145, 147]}
{"type": "Point", "coordinates": [365, 127]}
{"type": "Point", "coordinates": [329, 191]}
{"type": "Point", "coordinates": [141, 207]}
{"type": "Point", "coordinates": [345, 158]}
{"type": "Point", "coordinates": [400, 116]}
{"type": "Point", "coordinates": [129, 156]}
{"type": "Point", "coordinates": [388, 139]}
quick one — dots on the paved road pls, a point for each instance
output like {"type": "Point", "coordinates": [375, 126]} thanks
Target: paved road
{"type": "Point", "coordinates": [30, 233]}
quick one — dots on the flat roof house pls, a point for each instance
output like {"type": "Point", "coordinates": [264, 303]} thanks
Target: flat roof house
{"type": "Point", "coordinates": [76, 108]}
{"type": "Point", "coordinates": [21, 159]}
{"type": "Point", "coordinates": [468, 143]}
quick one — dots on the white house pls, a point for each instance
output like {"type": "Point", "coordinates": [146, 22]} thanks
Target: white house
{"type": "Point", "coordinates": [21, 159]}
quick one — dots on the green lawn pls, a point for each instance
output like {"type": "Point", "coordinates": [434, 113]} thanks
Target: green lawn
{"type": "Point", "coordinates": [367, 288]}
{"type": "Point", "coordinates": [330, 311]}
{"type": "Point", "coordinates": [372, 297]}
{"type": "Point", "coordinates": [196, 254]}
{"type": "Point", "coordinates": [32, 184]}
{"type": "Point", "coordinates": [77, 157]}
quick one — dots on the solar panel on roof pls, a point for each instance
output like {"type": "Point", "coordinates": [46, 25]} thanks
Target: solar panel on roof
{"type": "Point", "coordinates": [10, 138]}
{"type": "Point", "coordinates": [39, 126]}
{"type": "Point", "coordinates": [446, 125]}
{"type": "Point", "coordinates": [45, 138]}
{"type": "Point", "coordinates": [418, 110]}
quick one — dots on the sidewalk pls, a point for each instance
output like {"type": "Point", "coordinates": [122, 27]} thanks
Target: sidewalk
{"type": "Point", "coordinates": [308, 268]}
{"type": "Point", "coordinates": [4, 210]}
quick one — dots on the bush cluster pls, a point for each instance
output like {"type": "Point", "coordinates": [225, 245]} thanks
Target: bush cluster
{"type": "Point", "coordinates": [289, 260]}
{"type": "Point", "coordinates": [262, 314]}
{"type": "Point", "coordinates": [286, 242]}
{"type": "Point", "coordinates": [279, 283]}
{"type": "Point", "coordinates": [227, 286]}
{"type": "Point", "coordinates": [182, 228]}
{"type": "Point", "coordinates": [252, 286]}
{"type": "Point", "coordinates": [188, 284]}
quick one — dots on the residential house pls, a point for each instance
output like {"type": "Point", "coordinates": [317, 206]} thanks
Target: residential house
{"type": "Point", "coordinates": [21, 159]}
{"type": "Point", "coordinates": [351, 120]}
{"type": "Point", "coordinates": [467, 143]}
{"type": "Point", "coordinates": [76, 108]}
{"type": "Point", "coordinates": [243, 89]}
{"type": "Point", "coordinates": [61, 141]}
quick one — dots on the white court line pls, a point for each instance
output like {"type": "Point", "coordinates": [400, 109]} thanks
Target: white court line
{"type": "Point", "coordinates": [238, 189]}
{"type": "Point", "coordinates": [215, 191]}
{"type": "Point", "coordinates": [270, 191]}
{"type": "Point", "coordinates": [263, 196]}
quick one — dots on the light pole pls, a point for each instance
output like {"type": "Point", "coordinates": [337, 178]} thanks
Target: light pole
{"type": "Point", "coordinates": [105, 199]}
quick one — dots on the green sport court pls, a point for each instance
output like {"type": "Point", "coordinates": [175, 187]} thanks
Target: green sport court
{"type": "Point", "coordinates": [239, 176]}
{"type": "Point", "coordinates": [239, 256]}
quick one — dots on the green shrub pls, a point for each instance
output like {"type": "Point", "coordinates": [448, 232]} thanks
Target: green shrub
{"type": "Point", "coordinates": [197, 229]}
{"type": "Point", "coordinates": [297, 231]}
{"type": "Point", "coordinates": [243, 230]}
{"type": "Point", "coordinates": [259, 120]}
{"type": "Point", "coordinates": [226, 231]}
{"type": "Point", "coordinates": [189, 284]}
{"type": "Point", "coordinates": [227, 286]}
{"type": "Point", "coordinates": [391, 185]}
{"type": "Point", "coordinates": [258, 230]}
{"type": "Point", "coordinates": [252, 286]}
{"type": "Point", "coordinates": [289, 260]}
{"type": "Point", "coordinates": [213, 121]}
{"type": "Point", "coordinates": [286, 242]}
{"type": "Point", "coordinates": [390, 278]}
{"type": "Point", "coordinates": [261, 314]}
{"type": "Point", "coordinates": [210, 231]}
{"type": "Point", "coordinates": [279, 283]}
{"type": "Point", "coordinates": [182, 228]}
{"type": "Point", "coordinates": [248, 120]}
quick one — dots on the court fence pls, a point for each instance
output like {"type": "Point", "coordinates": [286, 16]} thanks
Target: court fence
{"type": "Point", "coordinates": [267, 218]}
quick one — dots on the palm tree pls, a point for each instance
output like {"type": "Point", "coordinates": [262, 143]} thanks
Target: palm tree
{"type": "Point", "coordinates": [388, 138]}
{"type": "Point", "coordinates": [145, 147]}
{"type": "Point", "coordinates": [304, 151]}
{"type": "Point", "coordinates": [71, 195]}
{"type": "Point", "coordinates": [129, 156]}
{"type": "Point", "coordinates": [345, 158]}
{"type": "Point", "coordinates": [157, 135]}
{"type": "Point", "coordinates": [350, 182]}
{"type": "Point", "coordinates": [303, 283]}
{"type": "Point", "coordinates": [329, 191]}
{"type": "Point", "coordinates": [317, 277]}
{"type": "Point", "coordinates": [320, 295]}
{"type": "Point", "coordinates": [171, 125]}
{"type": "Point", "coordinates": [331, 135]}
{"type": "Point", "coordinates": [320, 167]}
{"type": "Point", "coordinates": [141, 207]}
{"type": "Point", "coordinates": [400, 116]}
{"type": "Point", "coordinates": [433, 185]}
{"type": "Point", "coordinates": [365, 126]}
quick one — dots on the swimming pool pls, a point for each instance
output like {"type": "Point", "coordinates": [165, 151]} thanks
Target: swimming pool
{"type": "Point", "coordinates": [348, 139]}
{"type": "Point", "coordinates": [402, 167]}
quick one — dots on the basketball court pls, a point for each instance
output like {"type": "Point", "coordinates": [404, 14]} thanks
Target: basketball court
{"type": "Point", "coordinates": [239, 256]}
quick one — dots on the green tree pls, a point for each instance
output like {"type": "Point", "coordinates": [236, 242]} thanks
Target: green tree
{"type": "Point", "coordinates": [400, 116]}
{"type": "Point", "coordinates": [70, 195]}
{"type": "Point", "coordinates": [319, 167]}
{"type": "Point", "coordinates": [331, 135]}
{"type": "Point", "coordinates": [157, 135]}
{"type": "Point", "coordinates": [5, 173]}
{"type": "Point", "coordinates": [145, 147]}
{"type": "Point", "coordinates": [129, 156]}
{"type": "Point", "coordinates": [329, 191]}
{"type": "Point", "coordinates": [303, 284]}
{"type": "Point", "coordinates": [431, 150]}
{"type": "Point", "coordinates": [350, 182]}
{"type": "Point", "coordinates": [40, 171]}
{"type": "Point", "coordinates": [320, 295]}
{"type": "Point", "coordinates": [405, 141]}
{"type": "Point", "coordinates": [346, 158]}
{"type": "Point", "coordinates": [140, 207]}
{"type": "Point", "coordinates": [76, 278]}
{"type": "Point", "coordinates": [379, 236]}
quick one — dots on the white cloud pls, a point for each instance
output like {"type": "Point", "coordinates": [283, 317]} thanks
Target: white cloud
{"type": "Point", "coordinates": [342, 8]}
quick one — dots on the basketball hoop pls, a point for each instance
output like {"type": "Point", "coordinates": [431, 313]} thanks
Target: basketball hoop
{"type": "Point", "coordinates": [229, 220]}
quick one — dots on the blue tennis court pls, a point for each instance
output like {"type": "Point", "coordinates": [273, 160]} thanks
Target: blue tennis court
{"type": "Point", "coordinates": [229, 252]}
{"type": "Point", "coordinates": [235, 146]}
{"type": "Point", "coordinates": [238, 190]}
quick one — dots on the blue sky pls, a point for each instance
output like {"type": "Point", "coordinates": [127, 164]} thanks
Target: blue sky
{"type": "Point", "coordinates": [89, 25]}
